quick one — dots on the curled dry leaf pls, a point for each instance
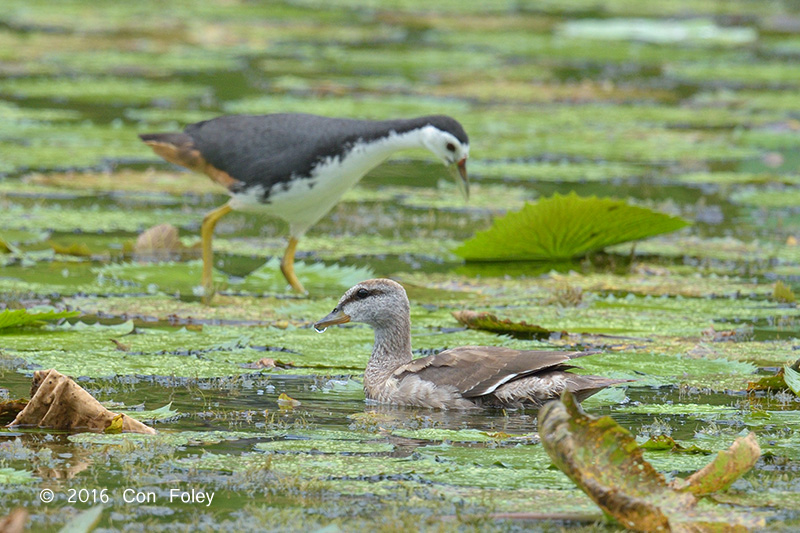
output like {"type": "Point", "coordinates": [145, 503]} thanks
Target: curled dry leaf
{"type": "Point", "coordinates": [603, 459]}
{"type": "Point", "coordinates": [57, 402]}
{"type": "Point", "coordinates": [791, 377]}
{"type": "Point", "coordinates": [489, 322]}
{"type": "Point", "coordinates": [14, 522]}
{"type": "Point", "coordinates": [160, 241]}
{"type": "Point", "coordinates": [10, 408]}
{"type": "Point", "coordinates": [727, 467]}
{"type": "Point", "coordinates": [775, 382]}
{"type": "Point", "coordinates": [268, 362]}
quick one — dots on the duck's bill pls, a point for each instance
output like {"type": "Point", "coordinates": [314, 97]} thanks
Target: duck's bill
{"type": "Point", "coordinates": [459, 173]}
{"type": "Point", "coordinates": [335, 317]}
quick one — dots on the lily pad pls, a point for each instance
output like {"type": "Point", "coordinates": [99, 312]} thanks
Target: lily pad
{"type": "Point", "coordinates": [102, 89]}
{"type": "Point", "coordinates": [171, 277]}
{"type": "Point", "coordinates": [9, 476]}
{"type": "Point", "coordinates": [17, 318]}
{"type": "Point", "coordinates": [562, 227]}
{"type": "Point", "coordinates": [696, 31]}
{"type": "Point", "coordinates": [325, 446]}
{"type": "Point", "coordinates": [162, 413]}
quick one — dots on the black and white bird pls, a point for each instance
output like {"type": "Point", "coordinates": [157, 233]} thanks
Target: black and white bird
{"type": "Point", "coordinates": [297, 166]}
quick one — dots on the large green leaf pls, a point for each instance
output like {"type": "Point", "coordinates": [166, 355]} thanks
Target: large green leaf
{"type": "Point", "coordinates": [15, 318]}
{"type": "Point", "coordinates": [565, 226]}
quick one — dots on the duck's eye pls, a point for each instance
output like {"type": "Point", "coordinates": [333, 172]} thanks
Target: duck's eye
{"type": "Point", "coordinates": [451, 147]}
{"type": "Point", "coordinates": [362, 293]}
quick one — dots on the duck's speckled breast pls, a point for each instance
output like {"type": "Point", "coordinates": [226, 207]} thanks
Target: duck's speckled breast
{"type": "Point", "coordinates": [416, 392]}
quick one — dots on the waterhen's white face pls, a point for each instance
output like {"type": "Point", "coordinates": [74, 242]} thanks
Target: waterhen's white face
{"type": "Point", "coordinates": [452, 152]}
{"type": "Point", "coordinates": [375, 302]}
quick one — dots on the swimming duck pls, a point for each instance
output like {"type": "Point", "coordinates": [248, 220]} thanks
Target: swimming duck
{"type": "Point", "coordinates": [466, 377]}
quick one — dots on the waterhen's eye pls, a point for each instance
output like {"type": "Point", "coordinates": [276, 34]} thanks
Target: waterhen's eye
{"type": "Point", "coordinates": [362, 293]}
{"type": "Point", "coordinates": [451, 147]}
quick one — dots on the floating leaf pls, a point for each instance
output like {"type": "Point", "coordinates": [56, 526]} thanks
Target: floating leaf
{"type": "Point", "coordinates": [84, 521]}
{"type": "Point", "coordinates": [603, 459]}
{"type": "Point", "coordinates": [326, 446]}
{"type": "Point", "coordinates": [792, 379]}
{"type": "Point", "coordinates": [658, 31]}
{"type": "Point", "coordinates": [667, 443]}
{"type": "Point", "coordinates": [563, 227]}
{"type": "Point", "coordinates": [162, 413]}
{"type": "Point", "coordinates": [6, 247]}
{"type": "Point", "coordinates": [160, 241]}
{"type": "Point", "coordinates": [490, 322]}
{"type": "Point", "coordinates": [775, 382]}
{"type": "Point", "coordinates": [115, 426]}
{"type": "Point", "coordinates": [174, 277]}
{"type": "Point", "coordinates": [783, 293]}
{"type": "Point", "coordinates": [15, 521]}
{"type": "Point", "coordinates": [13, 476]}
{"type": "Point", "coordinates": [728, 466]}
{"type": "Point", "coordinates": [76, 249]}
{"type": "Point", "coordinates": [17, 318]}
{"type": "Point", "coordinates": [287, 402]}
{"type": "Point", "coordinates": [10, 408]}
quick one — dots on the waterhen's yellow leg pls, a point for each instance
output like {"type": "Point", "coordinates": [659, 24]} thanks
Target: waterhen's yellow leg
{"type": "Point", "coordinates": [287, 267]}
{"type": "Point", "coordinates": [206, 234]}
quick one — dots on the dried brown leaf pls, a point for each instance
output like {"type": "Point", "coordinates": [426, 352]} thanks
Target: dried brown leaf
{"type": "Point", "coordinates": [603, 459]}
{"type": "Point", "coordinates": [728, 466]}
{"type": "Point", "coordinates": [489, 322]}
{"type": "Point", "coordinates": [57, 402]}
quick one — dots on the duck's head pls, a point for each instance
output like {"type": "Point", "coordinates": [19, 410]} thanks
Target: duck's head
{"type": "Point", "coordinates": [446, 138]}
{"type": "Point", "coordinates": [376, 302]}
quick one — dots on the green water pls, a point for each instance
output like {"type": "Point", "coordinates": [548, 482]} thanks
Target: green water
{"type": "Point", "coordinates": [697, 116]}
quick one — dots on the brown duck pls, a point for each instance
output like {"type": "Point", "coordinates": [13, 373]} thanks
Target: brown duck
{"type": "Point", "coordinates": [466, 377]}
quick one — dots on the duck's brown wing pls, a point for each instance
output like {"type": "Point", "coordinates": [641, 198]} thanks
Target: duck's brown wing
{"type": "Point", "coordinates": [479, 370]}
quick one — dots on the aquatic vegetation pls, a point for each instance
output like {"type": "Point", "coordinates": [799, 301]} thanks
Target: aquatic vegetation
{"type": "Point", "coordinates": [681, 107]}
{"type": "Point", "coordinates": [490, 322]}
{"type": "Point", "coordinates": [604, 460]}
{"type": "Point", "coordinates": [563, 227]}
{"type": "Point", "coordinates": [184, 278]}
{"type": "Point", "coordinates": [108, 89]}
{"type": "Point", "coordinates": [783, 293]}
{"type": "Point", "coordinates": [13, 476]}
{"type": "Point", "coordinates": [697, 31]}
{"type": "Point", "coordinates": [18, 318]}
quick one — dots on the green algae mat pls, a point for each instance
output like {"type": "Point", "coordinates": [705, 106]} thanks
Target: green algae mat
{"type": "Point", "coordinates": [687, 109]}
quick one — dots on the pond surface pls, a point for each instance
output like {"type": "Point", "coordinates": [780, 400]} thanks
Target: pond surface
{"type": "Point", "coordinates": [684, 107]}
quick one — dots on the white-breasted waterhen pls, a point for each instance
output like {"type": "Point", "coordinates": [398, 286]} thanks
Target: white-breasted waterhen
{"type": "Point", "coordinates": [297, 166]}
